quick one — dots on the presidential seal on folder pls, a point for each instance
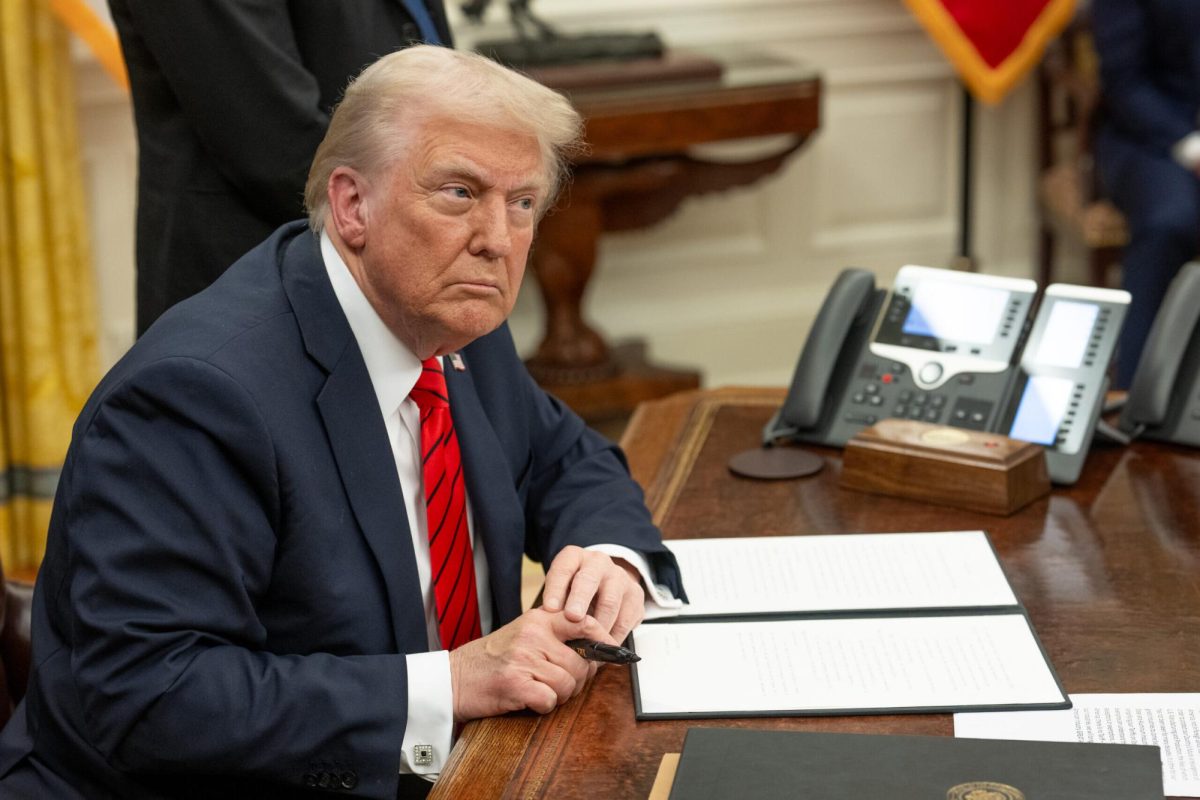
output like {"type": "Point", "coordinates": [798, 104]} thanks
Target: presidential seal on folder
{"type": "Point", "coordinates": [967, 469]}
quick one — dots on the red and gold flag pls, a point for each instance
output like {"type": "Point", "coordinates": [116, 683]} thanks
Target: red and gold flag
{"type": "Point", "coordinates": [97, 34]}
{"type": "Point", "coordinates": [992, 43]}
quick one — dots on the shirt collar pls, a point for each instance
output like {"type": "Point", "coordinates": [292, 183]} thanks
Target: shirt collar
{"type": "Point", "coordinates": [391, 366]}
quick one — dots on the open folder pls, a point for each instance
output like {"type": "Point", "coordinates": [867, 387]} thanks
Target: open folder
{"type": "Point", "coordinates": [846, 624]}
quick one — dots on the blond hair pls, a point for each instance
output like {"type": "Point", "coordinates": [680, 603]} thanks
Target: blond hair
{"type": "Point", "coordinates": [396, 94]}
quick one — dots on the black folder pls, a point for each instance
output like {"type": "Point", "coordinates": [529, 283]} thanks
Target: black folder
{"type": "Point", "coordinates": [760, 764]}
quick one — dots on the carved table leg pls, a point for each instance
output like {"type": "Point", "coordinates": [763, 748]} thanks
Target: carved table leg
{"type": "Point", "coordinates": [573, 361]}
{"type": "Point", "coordinates": [563, 259]}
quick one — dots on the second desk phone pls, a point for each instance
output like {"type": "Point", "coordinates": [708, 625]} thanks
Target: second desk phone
{"type": "Point", "coordinates": [960, 349]}
{"type": "Point", "coordinates": [1164, 398]}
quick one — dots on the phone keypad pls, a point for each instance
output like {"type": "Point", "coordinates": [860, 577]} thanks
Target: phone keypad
{"type": "Point", "coordinates": [971, 413]}
{"type": "Point", "coordinates": [882, 390]}
{"type": "Point", "coordinates": [875, 395]}
{"type": "Point", "coordinates": [925, 406]}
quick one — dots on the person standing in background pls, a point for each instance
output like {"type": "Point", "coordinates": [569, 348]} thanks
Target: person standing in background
{"type": "Point", "coordinates": [230, 100]}
{"type": "Point", "coordinates": [1148, 147]}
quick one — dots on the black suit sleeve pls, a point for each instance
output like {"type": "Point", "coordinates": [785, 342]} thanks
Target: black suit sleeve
{"type": "Point", "coordinates": [175, 501]}
{"type": "Point", "coordinates": [235, 70]}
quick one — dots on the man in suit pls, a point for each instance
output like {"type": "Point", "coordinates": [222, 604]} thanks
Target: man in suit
{"type": "Point", "coordinates": [231, 99]}
{"type": "Point", "coordinates": [242, 592]}
{"type": "Point", "coordinates": [1148, 147]}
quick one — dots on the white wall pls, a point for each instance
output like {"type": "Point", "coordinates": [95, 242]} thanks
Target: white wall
{"type": "Point", "coordinates": [730, 283]}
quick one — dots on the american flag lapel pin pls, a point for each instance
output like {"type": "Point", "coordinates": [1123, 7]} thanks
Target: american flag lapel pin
{"type": "Point", "coordinates": [456, 361]}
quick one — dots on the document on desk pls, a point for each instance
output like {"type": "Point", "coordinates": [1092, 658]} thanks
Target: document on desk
{"type": "Point", "coordinates": [845, 572]}
{"type": "Point", "coordinates": [1171, 721]}
{"type": "Point", "coordinates": [842, 665]}
{"type": "Point", "coordinates": [848, 624]}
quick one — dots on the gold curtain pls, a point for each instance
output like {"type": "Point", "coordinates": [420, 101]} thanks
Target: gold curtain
{"type": "Point", "coordinates": [48, 361]}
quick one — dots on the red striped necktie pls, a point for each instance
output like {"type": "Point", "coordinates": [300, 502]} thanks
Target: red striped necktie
{"type": "Point", "coordinates": [450, 556]}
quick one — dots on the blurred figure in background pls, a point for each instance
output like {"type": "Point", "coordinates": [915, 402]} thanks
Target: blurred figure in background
{"type": "Point", "coordinates": [1148, 147]}
{"type": "Point", "coordinates": [231, 100]}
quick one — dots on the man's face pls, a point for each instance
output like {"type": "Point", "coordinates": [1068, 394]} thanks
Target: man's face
{"type": "Point", "coordinates": [447, 233]}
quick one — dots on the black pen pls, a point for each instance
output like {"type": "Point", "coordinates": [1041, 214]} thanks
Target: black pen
{"type": "Point", "coordinates": [599, 651]}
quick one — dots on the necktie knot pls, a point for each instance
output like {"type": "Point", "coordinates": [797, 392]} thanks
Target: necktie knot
{"type": "Point", "coordinates": [430, 391]}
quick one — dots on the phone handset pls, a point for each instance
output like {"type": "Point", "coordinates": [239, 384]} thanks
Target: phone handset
{"type": "Point", "coordinates": [1154, 380]}
{"type": "Point", "coordinates": [847, 305]}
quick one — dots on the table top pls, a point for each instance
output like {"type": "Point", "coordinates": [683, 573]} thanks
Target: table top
{"type": "Point", "coordinates": [1108, 569]}
{"type": "Point", "coordinates": [755, 94]}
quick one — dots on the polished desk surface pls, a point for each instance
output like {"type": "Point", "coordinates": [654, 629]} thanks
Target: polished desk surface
{"type": "Point", "coordinates": [1109, 570]}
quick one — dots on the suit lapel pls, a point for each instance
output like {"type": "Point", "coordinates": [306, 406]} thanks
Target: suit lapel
{"type": "Point", "coordinates": [357, 436]}
{"type": "Point", "coordinates": [498, 517]}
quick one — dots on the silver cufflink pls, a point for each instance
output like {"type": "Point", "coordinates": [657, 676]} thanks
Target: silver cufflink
{"type": "Point", "coordinates": [422, 755]}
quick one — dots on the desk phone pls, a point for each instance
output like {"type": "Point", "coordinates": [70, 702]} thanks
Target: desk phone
{"type": "Point", "coordinates": [959, 349]}
{"type": "Point", "coordinates": [1164, 398]}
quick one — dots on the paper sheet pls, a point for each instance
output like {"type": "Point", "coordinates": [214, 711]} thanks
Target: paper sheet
{"type": "Point", "coordinates": [826, 665]}
{"type": "Point", "coordinates": [870, 571]}
{"type": "Point", "coordinates": [1171, 721]}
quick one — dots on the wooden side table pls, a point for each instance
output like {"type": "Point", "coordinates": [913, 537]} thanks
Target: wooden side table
{"type": "Point", "coordinates": [637, 172]}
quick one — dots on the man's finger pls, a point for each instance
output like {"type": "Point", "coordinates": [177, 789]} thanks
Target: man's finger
{"type": "Point", "coordinates": [607, 603]}
{"type": "Point", "coordinates": [540, 697]}
{"type": "Point", "coordinates": [633, 609]}
{"type": "Point", "coordinates": [586, 628]}
{"type": "Point", "coordinates": [558, 577]}
{"type": "Point", "coordinates": [560, 680]}
{"type": "Point", "coordinates": [584, 584]}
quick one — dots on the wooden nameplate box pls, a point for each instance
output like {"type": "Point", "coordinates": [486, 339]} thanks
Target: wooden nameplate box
{"type": "Point", "coordinates": [949, 466]}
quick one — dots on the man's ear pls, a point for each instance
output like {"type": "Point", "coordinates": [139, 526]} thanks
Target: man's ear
{"type": "Point", "coordinates": [347, 192]}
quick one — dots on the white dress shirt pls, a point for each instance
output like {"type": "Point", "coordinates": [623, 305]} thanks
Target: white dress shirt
{"type": "Point", "coordinates": [394, 370]}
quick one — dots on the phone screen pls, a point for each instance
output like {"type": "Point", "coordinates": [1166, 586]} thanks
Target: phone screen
{"type": "Point", "coordinates": [1065, 338]}
{"type": "Point", "coordinates": [1043, 406]}
{"type": "Point", "coordinates": [955, 312]}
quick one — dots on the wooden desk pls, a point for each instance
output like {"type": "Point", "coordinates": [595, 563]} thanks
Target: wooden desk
{"type": "Point", "coordinates": [1109, 570]}
{"type": "Point", "coordinates": [637, 172]}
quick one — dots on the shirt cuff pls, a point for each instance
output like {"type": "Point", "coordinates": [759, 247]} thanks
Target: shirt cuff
{"type": "Point", "coordinates": [1187, 151]}
{"type": "Point", "coordinates": [659, 598]}
{"type": "Point", "coordinates": [429, 731]}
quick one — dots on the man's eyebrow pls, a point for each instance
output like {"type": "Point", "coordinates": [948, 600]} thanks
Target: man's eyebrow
{"type": "Point", "coordinates": [460, 171]}
{"type": "Point", "coordinates": [468, 173]}
{"type": "Point", "coordinates": [537, 187]}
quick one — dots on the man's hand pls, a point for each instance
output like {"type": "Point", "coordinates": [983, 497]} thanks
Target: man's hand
{"type": "Point", "coordinates": [522, 665]}
{"type": "Point", "coordinates": [581, 582]}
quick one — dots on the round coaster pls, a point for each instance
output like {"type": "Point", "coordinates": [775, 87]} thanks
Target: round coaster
{"type": "Point", "coordinates": [775, 463]}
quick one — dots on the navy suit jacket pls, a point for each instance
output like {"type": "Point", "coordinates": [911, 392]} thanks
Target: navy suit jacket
{"type": "Point", "coordinates": [1150, 71]}
{"type": "Point", "coordinates": [229, 585]}
{"type": "Point", "coordinates": [231, 99]}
